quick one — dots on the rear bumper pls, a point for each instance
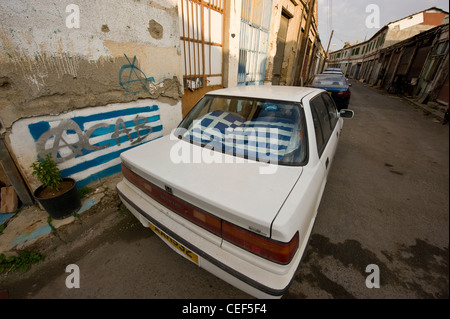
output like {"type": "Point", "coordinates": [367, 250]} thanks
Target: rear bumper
{"type": "Point", "coordinates": [238, 272]}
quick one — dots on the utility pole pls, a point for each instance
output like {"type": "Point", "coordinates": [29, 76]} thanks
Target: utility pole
{"type": "Point", "coordinates": [331, 36]}
{"type": "Point", "coordinates": [328, 47]}
{"type": "Point", "coordinates": [304, 45]}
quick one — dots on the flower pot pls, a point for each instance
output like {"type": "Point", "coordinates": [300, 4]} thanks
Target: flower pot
{"type": "Point", "coordinates": [60, 205]}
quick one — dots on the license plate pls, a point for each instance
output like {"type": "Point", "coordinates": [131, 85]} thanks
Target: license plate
{"type": "Point", "coordinates": [329, 93]}
{"type": "Point", "coordinates": [189, 254]}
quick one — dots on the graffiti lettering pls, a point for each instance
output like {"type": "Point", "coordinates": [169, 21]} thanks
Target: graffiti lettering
{"type": "Point", "coordinates": [88, 136]}
{"type": "Point", "coordinates": [67, 140]}
{"type": "Point", "coordinates": [133, 81]}
{"type": "Point", "coordinates": [57, 140]}
{"type": "Point", "coordinates": [139, 128]}
{"type": "Point", "coordinates": [118, 131]}
{"type": "Point", "coordinates": [87, 143]}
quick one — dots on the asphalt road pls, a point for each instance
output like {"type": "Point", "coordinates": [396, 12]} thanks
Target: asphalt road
{"type": "Point", "coordinates": [386, 205]}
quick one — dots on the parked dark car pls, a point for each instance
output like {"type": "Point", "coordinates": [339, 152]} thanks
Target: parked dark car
{"type": "Point", "coordinates": [336, 86]}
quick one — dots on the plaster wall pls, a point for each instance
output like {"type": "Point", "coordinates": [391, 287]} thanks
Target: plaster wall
{"type": "Point", "coordinates": [61, 60]}
{"type": "Point", "coordinates": [232, 27]}
{"type": "Point", "coordinates": [87, 143]}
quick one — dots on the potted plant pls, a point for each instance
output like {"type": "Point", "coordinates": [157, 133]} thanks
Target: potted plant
{"type": "Point", "coordinates": [58, 196]}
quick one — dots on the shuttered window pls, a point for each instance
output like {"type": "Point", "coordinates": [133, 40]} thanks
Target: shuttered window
{"type": "Point", "coordinates": [254, 41]}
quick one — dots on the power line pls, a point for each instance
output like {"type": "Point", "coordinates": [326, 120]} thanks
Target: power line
{"type": "Point", "coordinates": [330, 13]}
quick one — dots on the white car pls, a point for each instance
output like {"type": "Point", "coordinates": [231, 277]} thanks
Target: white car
{"type": "Point", "coordinates": [236, 187]}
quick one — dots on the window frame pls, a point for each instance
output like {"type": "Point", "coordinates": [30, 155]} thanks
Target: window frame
{"type": "Point", "coordinates": [319, 119]}
{"type": "Point", "coordinates": [332, 109]}
{"type": "Point", "coordinates": [207, 101]}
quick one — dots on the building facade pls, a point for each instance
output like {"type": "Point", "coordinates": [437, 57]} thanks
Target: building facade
{"type": "Point", "coordinates": [362, 60]}
{"type": "Point", "coordinates": [262, 42]}
{"type": "Point", "coordinates": [295, 50]}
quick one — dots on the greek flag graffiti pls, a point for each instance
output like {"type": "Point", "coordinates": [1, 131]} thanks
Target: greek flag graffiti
{"type": "Point", "coordinates": [87, 147]}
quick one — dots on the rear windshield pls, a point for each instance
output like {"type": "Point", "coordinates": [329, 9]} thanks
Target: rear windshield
{"type": "Point", "coordinates": [329, 81]}
{"type": "Point", "coordinates": [263, 130]}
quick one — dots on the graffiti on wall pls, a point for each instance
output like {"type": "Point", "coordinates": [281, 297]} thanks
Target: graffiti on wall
{"type": "Point", "coordinates": [132, 79]}
{"type": "Point", "coordinates": [87, 148]}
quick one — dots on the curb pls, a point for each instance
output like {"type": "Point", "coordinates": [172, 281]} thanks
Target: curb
{"type": "Point", "coordinates": [26, 238]}
{"type": "Point", "coordinates": [426, 108]}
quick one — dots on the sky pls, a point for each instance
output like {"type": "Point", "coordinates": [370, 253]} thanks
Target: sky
{"type": "Point", "coordinates": [348, 17]}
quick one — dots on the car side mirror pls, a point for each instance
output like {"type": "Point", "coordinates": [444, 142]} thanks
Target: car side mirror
{"type": "Point", "coordinates": [346, 114]}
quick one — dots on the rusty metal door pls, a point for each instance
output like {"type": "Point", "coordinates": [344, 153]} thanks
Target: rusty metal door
{"type": "Point", "coordinates": [201, 34]}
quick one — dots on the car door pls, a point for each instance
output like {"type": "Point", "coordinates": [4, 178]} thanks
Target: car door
{"type": "Point", "coordinates": [335, 122]}
{"type": "Point", "coordinates": [326, 125]}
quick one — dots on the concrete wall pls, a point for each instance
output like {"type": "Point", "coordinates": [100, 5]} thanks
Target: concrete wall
{"type": "Point", "coordinates": [232, 28]}
{"type": "Point", "coordinates": [104, 59]}
{"type": "Point", "coordinates": [410, 26]}
{"type": "Point", "coordinates": [396, 34]}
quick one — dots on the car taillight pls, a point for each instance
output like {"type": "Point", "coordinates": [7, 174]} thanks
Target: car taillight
{"type": "Point", "coordinates": [343, 94]}
{"type": "Point", "coordinates": [272, 250]}
{"type": "Point", "coordinates": [278, 252]}
{"type": "Point", "coordinates": [177, 205]}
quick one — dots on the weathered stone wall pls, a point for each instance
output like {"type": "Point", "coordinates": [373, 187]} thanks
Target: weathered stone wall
{"type": "Point", "coordinates": [60, 56]}
{"type": "Point", "coordinates": [297, 19]}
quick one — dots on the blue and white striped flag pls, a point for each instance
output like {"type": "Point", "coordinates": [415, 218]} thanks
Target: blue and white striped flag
{"type": "Point", "coordinates": [88, 148]}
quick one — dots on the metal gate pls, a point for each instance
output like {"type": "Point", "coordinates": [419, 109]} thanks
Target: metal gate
{"type": "Point", "coordinates": [254, 41]}
{"type": "Point", "coordinates": [201, 29]}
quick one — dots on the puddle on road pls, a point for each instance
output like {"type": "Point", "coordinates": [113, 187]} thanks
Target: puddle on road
{"type": "Point", "coordinates": [429, 267]}
{"type": "Point", "coordinates": [350, 254]}
{"type": "Point", "coordinates": [339, 271]}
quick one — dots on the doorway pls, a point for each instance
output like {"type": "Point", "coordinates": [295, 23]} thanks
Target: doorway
{"type": "Point", "coordinates": [281, 43]}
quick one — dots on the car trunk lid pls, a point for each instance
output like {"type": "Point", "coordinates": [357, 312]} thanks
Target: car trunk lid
{"type": "Point", "coordinates": [228, 187]}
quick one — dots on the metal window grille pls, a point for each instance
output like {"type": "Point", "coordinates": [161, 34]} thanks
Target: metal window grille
{"type": "Point", "coordinates": [201, 29]}
{"type": "Point", "coordinates": [254, 41]}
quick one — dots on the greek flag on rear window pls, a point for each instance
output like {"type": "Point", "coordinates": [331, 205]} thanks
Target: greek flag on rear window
{"type": "Point", "coordinates": [265, 137]}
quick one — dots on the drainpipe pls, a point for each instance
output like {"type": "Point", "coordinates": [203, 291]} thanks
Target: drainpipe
{"type": "Point", "coordinates": [299, 36]}
{"type": "Point", "coordinates": [305, 41]}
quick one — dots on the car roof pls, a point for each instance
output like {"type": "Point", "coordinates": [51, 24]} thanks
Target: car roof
{"type": "Point", "coordinates": [330, 75]}
{"type": "Point", "coordinates": [271, 92]}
